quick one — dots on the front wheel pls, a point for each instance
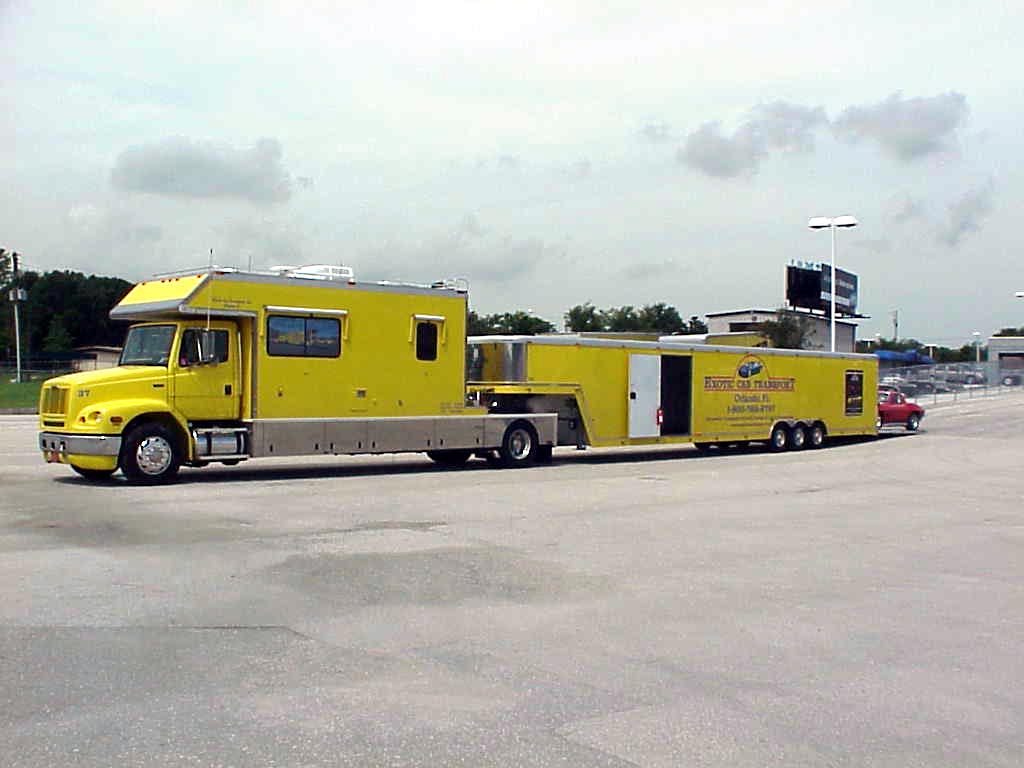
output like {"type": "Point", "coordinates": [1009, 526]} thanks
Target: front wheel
{"type": "Point", "coordinates": [518, 446]}
{"type": "Point", "coordinates": [93, 475]}
{"type": "Point", "coordinates": [150, 454]}
{"type": "Point", "coordinates": [913, 422]}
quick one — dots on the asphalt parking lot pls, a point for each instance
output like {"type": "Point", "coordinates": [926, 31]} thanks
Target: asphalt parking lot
{"type": "Point", "coordinates": [856, 606]}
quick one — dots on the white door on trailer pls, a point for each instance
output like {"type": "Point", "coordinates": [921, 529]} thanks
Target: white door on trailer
{"type": "Point", "coordinates": [644, 395]}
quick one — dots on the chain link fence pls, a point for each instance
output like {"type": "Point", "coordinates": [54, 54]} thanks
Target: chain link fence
{"type": "Point", "coordinates": [951, 381]}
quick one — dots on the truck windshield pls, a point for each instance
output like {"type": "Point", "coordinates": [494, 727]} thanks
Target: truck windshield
{"type": "Point", "coordinates": [147, 345]}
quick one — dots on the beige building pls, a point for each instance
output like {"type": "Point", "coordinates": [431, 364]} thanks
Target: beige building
{"type": "Point", "coordinates": [95, 358]}
{"type": "Point", "coordinates": [747, 320]}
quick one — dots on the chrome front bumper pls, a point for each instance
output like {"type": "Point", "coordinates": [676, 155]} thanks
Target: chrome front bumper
{"type": "Point", "coordinates": [81, 445]}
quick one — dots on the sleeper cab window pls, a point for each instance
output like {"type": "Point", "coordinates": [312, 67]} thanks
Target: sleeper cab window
{"type": "Point", "coordinates": [303, 336]}
{"type": "Point", "coordinates": [188, 354]}
{"type": "Point", "coordinates": [426, 340]}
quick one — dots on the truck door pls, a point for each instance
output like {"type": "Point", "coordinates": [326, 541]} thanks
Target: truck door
{"type": "Point", "coordinates": [207, 390]}
{"type": "Point", "coordinates": [644, 395]}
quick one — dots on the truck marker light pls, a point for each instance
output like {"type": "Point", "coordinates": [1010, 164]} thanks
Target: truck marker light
{"type": "Point", "coordinates": [116, 419]}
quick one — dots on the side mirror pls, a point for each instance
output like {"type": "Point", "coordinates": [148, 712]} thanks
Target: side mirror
{"type": "Point", "coordinates": [207, 347]}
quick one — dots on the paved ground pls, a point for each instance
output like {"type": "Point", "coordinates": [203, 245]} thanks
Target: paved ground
{"type": "Point", "coordinates": [857, 606]}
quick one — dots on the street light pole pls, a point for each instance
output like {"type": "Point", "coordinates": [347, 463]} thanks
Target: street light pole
{"type": "Point", "coordinates": [977, 346]}
{"type": "Point", "coordinates": [826, 222]}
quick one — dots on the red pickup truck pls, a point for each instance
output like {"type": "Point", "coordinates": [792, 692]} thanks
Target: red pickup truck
{"type": "Point", "coordinates": [895, 409]}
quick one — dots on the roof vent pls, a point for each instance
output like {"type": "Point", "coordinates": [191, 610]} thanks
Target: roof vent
{"type": "Point", "coordinates": [317, 272]}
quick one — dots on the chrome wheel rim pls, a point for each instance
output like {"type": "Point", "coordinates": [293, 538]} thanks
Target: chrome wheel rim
{"type": "Point", "coordinates": [778, 438]}
{"type": "Point", "coordinates": [799, 436]}
{"type": "Point", "coordinates": [519, 444]}
{"type": "Point", "coordinates": [154, 456]}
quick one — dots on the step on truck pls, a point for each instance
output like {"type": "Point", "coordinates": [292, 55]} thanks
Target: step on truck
{"type": "Point", "coordinates": [620, 392]}
{"type": "Point", "coordinates": [226, 366]}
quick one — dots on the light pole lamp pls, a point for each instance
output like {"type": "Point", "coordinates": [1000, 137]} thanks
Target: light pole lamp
{"type": "Point", "coordinates": [833, 223]}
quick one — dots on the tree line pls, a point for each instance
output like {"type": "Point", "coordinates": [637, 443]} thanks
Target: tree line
{"type": "Point", "coordinates": [658, 318]}
{"type": "Point", "coordinates": [62, 310]}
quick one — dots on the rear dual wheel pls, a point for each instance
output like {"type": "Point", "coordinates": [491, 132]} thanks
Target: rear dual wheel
{"type": "Point", "coordinates": [796, 438]}
{"type": "Point", "coordinates": [519, 446]}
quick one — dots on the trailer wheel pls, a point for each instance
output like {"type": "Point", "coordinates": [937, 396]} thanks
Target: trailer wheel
{"type": "Point", "coordinates": [451, 458]}
{"type": "Point", "coordinates": [150, 454]}
{"type": "Point", "coordinates": [779, 440]}
{"type": "Point", "coordinates": [798, 438]}
{"type": "Point", "coordinates": [816, 437]}
{"type": "Point", "coordinates": [519, 445]}
{"type": "Point", "coordinates": [93, 475]}
{"type": "Point", "coordinates": [913, 422]}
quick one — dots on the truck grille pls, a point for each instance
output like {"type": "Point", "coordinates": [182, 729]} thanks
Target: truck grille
{"type": "Point", "coordinates": [55, 400]}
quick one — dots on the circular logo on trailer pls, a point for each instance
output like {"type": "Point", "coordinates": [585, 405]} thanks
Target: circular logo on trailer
{"type": "Point", "coordinates": [750, 366]}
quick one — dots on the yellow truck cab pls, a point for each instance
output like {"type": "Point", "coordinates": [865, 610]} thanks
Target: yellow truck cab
{"type": "Point", "coordinates": [223, 366]}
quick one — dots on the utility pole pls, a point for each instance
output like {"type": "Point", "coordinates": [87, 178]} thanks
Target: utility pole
{"type": "Point", "coordinates": [15, 296]}
{"type": "Point", "coordinates": [895, 325]}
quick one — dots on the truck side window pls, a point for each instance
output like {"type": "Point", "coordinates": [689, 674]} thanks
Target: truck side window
{"type": "Point", "coordinates": [426, 341]}
{"type": "Point", "coordinates": [188, 353]}
{"type": "Point", "coordinates": [303, 336]}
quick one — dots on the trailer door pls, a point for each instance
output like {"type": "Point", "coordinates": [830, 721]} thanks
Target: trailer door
{"type": "Point", "coordinates": [644, 395]}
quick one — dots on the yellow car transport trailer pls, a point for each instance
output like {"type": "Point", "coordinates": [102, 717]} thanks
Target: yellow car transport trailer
{"type": "Point", "coordinates": [610, 392]}
{"type": "Point", "coordinates": [223, 366]}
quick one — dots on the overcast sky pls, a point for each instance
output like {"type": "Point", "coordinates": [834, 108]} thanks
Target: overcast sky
{"type": "Point", "coordinates": [551, 152]}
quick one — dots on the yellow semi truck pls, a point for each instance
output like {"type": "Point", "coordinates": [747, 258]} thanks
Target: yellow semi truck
{"type": "Point", "coordinates": [223, 366]}
{"type": "Point", "coordinates": [610, 392]}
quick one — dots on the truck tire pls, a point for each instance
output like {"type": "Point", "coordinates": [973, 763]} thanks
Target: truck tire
{"type": "Point", "coordinates": [93, 475]}
{"type": "Point", "coordinates": [150, 454]}
{"type": "Point", "coordinates": [450, 458]}
{"type": "Point", "coordinates": [913, 422]}
{"type": "Point", "coordinates": [779, 438]}
{"type": "Point", "coordinates": [798, 438]}
{"type": "Point", "coordinates": [816, 437]}
{"type": "Point", "coordinates": [519, 445]}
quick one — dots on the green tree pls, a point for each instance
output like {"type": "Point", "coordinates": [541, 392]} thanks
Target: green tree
{"type": "Point", "coordinates": [662, 318]}
{"type": "Point", "coordinates": [696, 325]}
{"type": "Point", "coordinates": [584, 317]}
{"type": "Point", "coordinates": [513, 323]}
{"type": "Point", "coordinates": [788, 331]}
{"type": "Point", "coordinates": [621, 319]}
{"type": "Point", "coordinates": [477, 325]}
{"type": "Point", "coordinates": [520, 323]}
{"type": "Point", "coordinates": [57, 337]}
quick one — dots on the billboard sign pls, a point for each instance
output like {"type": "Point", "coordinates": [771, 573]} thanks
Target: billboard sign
{"type": "Point", "coordinates": [809, 286]}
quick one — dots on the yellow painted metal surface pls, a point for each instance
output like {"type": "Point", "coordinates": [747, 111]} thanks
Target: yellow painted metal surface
{"type": "Point", "coordinates": [162, 290]}
{"type": "Point", "coordinates": [377, 372]}
{"type": "Point", "coordinates": [735, 394]}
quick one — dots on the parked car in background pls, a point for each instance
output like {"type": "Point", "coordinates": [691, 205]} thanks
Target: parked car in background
{"type": "Point", "coordinates": [1011, 379]}
{"type": "Point", "coordinates": [894, 409]}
